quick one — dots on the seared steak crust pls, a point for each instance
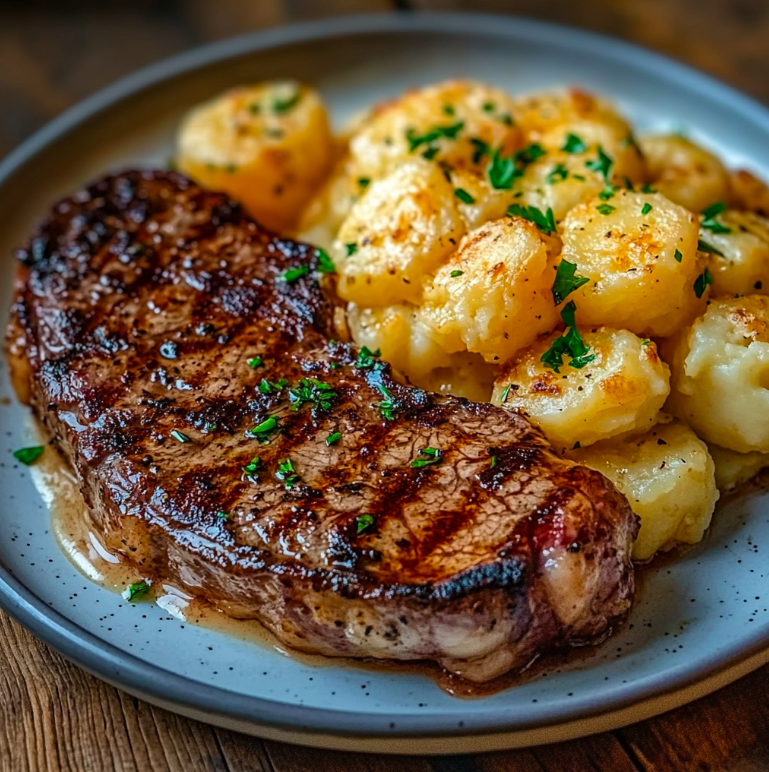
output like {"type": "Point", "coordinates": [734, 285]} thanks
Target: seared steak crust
{"type": "Point", "coordinates": [151, 328]}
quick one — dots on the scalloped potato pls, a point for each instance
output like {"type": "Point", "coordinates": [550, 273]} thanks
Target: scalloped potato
{"type": "Point", "coordinates": [622, 389]}
{"type": "Point", "coordinates": [402, 337]}
{"type": "Point", "coordinates": [742, 268]}
{"type": "Point", "coordinates": [668, 477]}
{"type": "Point", "coordinates": [639, 251]}
{"type": "Point", "coordinates": [720, 374]}
{"type": "Point", "coordinates": [440, 122]}
{"type": "Point", "coordinates": [402, 228]}
{"type": "Point", "coordinates": [684, 172]}
{"type": "Point", "coordinates": [493, 297]}
{"type": "Point", "coordinates": [734, 469]}
{"type": "Point", "coordinates": [269, 146]}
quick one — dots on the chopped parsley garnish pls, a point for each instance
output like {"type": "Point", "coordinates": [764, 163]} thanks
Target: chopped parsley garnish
{"type": "Point", "coordinates": [647, 188]}
{"type": "Point", "coordinates": [566, 281]}
{"type": "Point", "coordinates": [631, 141]}
{"type": "Point", "coordinates": [313, 392]}
{"type": "Point", "coordinates": [545, 222]}
{"type": "Point", "coordinates": [433, 456]}
{"type": "Point", "coordinates": [351, 248]}
{"type": "Point", "coordinates": [602, 164]}
{"type": "Point", "coordinates": [709, 221]}
{"type": "Point", "coordinates": [701, 283]}
{"type": "Point", "coordinates": [255, 362]}
{"type": "Point", "coordinates": [438, 132]}
{"type": "Point", "coordinates": [606, 209]}
{"type": "Point", "coordinates": [463, 196]}
{"type": "Point", "coordinates": [28, 456]}
{"type": "Point", "coordinates": [530, 154]}
{"type": "Point", "coordinates": [136, 590]}
{"type": "Point", "coordinates": [569, 344]}
{"type": "Point", "coordinates": [574, 144]}
{"type": "Point", "coordinates": [456, 273]}
{"type": "Point", "coordinates": [263, 430]}
{"type": "Point", "coordinates": [557, 174]}
{"type": "Point", "coordinates": [580, 177]}
{"type": "Point", "coordinates": [505, 392]}
{"type": "Point", "coordinates": [287, 474]}
{"type": "Point", "coordinates": [252, 465]}
{"type": "Point", "coordinates": [607, 193]}
{"type": "Point", "coordinates": [292, 274]}
{"type": "Point", "coordinates": [481, 149]}
{"type": "Point", "coordinates": [332, 439]}
{"type": "Point", "coordinates": [367, 358]}
{"type": "Point", "coordinates": [180, 436]}
{"type": "Point", "coordinates": [255, 108]}
{"type": "Point", "coordinates": [494, 462]}
{"type": "Point", "coordinates": [364, 182]}
{"type": "Point", "coordinates": [647, 207]}
{"type": "Point", "coordinates": [223, 515]}
{"type": "Point", "coordinates": [678, 256]}
{"type": "Point", "coordinates": [449, 110]}
{"type": "Point", "coordinates": [507, 119]}
{"type": "Point", "coordinates": [325, 263]}
{"type": "Point", "coordinates": [388, 405]}
{"type": "Point", "coordinates": [431, 152]}
{"type": "Point", "coordinates": [502, 171]}
{"type": "Point", "coordinates": [281, 106]}
{"type": "Point", "coordinates": [703, 246]}
{"type": "Point", "coordinates": [489, 107]}
{"type": "Point", "coordinates": [265, 387]}
{"type": "Point", "coordinates": [362, 522]}
{"type": "Point", "coordinates": [645, 342]}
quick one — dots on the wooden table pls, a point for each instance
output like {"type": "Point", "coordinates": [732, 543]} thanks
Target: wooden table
{"type": "Point", "coordinates": [55, 717]}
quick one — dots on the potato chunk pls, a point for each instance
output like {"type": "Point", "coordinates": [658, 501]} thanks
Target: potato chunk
{"type": "Point", "coordinates": [735, 469]}
{"type": "Point", "coordinates": [440, 122]}
{"type": "Point", "coordinates": [684, 172]}
{"type": "Point", "coordinates": [742, 268]}
{"type": "Point", "coordinates": [621, 389]}
{"type": "Point", "coordinates": [639, 251]}
{"type": "Point", "coordinates": [494, 297]}
{"type": "Point", "coordinates": [269, 146]}
{"type": "Point", "coordinates": [668, 477]}
{"type": "Point", "coordinates": [401, 336]}
{"type": "Point", "coordinates": [467, 375]}
{"type": "Point", "coordinates": [402, 228]}
{"type": "Point", "coordinates": [720, 374]}
{"type": "Point", "coordinates": [747, 193]}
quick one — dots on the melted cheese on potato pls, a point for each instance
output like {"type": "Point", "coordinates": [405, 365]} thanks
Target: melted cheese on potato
{"type": "Point", "coordinates": [668, 477]}
{"type": "Point", "coordinates": [269, 146]}
{"type": "Point", "coordinates": [621, 389]}
{"type": "Point", "coordinates": [685, 172]}
{"type": "Point", "coordinates": [735, 469]}
{"type": "Point", "coordinates": [720, 374]}
{"type": "Point", "coordinates": [742, 267]}
{"type": "Point", "coordinates": [493, 297]}
{"type": "Point", "coordinates": [402, 228]}
{"type": "Point", "coordinates": [639, 251]}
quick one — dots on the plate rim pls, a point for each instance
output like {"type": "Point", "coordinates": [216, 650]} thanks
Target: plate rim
{"type": "Point", "coordinates": [136, 675]}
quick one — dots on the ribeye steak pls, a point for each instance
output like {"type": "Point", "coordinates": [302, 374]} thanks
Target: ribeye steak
{"type": "Point", "coordinates": [183, 360]}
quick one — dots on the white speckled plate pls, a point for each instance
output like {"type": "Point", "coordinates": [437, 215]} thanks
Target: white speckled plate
{"type": "Point", "coordinates": [699, 622]}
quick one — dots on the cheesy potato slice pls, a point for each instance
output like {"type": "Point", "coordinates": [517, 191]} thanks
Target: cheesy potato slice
{"type": "Point", "coordinates": [639, 252]}
{"type": "Point", "coordinates": [493, 297]}
{"type": "Point", "coordinates": [720, 373]}
{"type": "Point", "coordinates": [620, 388]}
{"type": "Point", "coordinates": [269, 146]}
{"type": "Point", "coordinates": [736, 248]}
{"type": "Point", "coordinates": [735, 469]}
{"type": "Point", "coordinates": [685, 172]}
{"type": "Point", "coordinates": [402, 228]}
{"type": "Point", "coordinates": [668, 478]}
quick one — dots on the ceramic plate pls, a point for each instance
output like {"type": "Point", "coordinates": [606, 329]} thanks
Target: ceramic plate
{"type": "Point", "coordinates": [699, 622]}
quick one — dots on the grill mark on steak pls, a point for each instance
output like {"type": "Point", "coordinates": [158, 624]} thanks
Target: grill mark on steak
{"type": "Point", "coordinates": [137, 307]}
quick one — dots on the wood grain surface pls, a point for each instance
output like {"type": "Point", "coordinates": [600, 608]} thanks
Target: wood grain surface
{"type": "Point", "coordinates": [54, 716]}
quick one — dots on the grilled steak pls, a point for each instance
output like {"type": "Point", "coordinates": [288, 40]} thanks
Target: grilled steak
{"type": "Point", "coordinates": [182, 359]}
